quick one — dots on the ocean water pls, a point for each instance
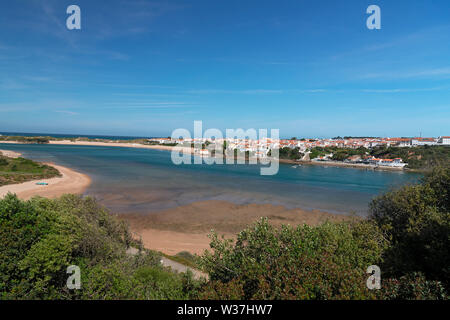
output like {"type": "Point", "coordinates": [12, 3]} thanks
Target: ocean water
{"type": "Point", "coordinates": [144, 180]}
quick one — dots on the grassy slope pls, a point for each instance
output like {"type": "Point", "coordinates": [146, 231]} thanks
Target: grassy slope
{"type": "Point", "coordinates": [20, 170]}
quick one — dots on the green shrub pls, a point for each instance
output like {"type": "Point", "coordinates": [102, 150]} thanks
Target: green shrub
{"type": "Point", "coordinates": [40, 238]}
{"type": "Point", "coordinates": [324, 262]}
{"type": "Point", "coordinates": [413, 286]}
{"type": "Point", "coordinates": [417, 220]}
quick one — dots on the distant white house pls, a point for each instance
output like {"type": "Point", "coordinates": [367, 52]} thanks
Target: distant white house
{"type": "Point", "coordinates": [261, 154]}
{"type": "Point", "coordinates": [423, 141]}
{"type": "Point", "coordinates": [397, 162]}
{"type": "Point", "coordinates": [444, 140]}
{"type": "Point", "coordinates": [202, 152]}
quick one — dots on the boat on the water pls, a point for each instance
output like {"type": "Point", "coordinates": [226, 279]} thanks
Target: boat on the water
{"type": "Point", "coordinates": [42, 183]}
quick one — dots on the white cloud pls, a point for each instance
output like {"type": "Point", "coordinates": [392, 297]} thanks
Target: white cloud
{"type": "Point", "coordinates": [71, 113]}
{"type": "Point", "coordinates": [400, 90]}
{"type": "Point", "coordinates": [427, 73]}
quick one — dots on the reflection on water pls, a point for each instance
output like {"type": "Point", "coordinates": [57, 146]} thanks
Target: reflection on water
{"type": "Point", "coordinates": [143, 180]}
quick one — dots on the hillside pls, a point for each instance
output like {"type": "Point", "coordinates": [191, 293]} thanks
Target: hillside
{"type": "Point", "coordinates": [420, 157]}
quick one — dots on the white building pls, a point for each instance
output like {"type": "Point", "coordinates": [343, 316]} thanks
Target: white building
{"type": "Point", "coordinates": [444, 141]}
{"type": "Point", "coordinates": [423, 142]}
{"type": "Point", "coordinates": [397, 162]}
{"type": "Point", "coordinates": [202, 152]}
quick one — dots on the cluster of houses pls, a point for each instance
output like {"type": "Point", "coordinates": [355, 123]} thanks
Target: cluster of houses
{"type": "Point", "coordinates": [262, 147]}
{"type": "Point", "coordinates": [397, 162]}
{"type": "Point", "coordinates": [367, 159]}
{"type": "Point", "coordinates": [303, 144]}
{"type": "Point", "coordinates": [412, 142]}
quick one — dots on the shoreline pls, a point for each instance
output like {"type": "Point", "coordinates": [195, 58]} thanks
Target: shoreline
{"type": "Point", "coordinates": [102, 144]}
{"type": "Point", "coordinates": [344, 165]}
{"type": "Point", "coordinates": [70, 181]}
{"type": "Point", "coordinates": [186, 228]}
{"type": "Point", "coordinates": [182, 228]}
{"type": "Point", "coordinates": [191, 151]}
{"type": "Point", "coordinates": [10, 154]}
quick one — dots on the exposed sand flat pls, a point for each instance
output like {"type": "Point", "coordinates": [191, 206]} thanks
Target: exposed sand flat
{"type": "Point", "coordinates": [114, 144]}
{"type": "Point", "coordinates": [172, 242]}
{"type": "Point", "coordinates": [70, 182]}
{"type": "Point", "coordinates": [10, 154]}
{"type": "Point", "coordinates": [186, 228]}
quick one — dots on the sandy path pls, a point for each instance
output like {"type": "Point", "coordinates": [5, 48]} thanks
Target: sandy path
{"type": "Point", "coordinates": [70, 182]}
{"type": "Point", "coordinates": [172, 242]}
{"type": "Point", "coordinates": [174, 265]}
{"type": "Point", "coordinates": [178, 267]}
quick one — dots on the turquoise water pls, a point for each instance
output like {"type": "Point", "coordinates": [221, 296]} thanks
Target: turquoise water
{"type": "Point", "coordinates": [144, 180]}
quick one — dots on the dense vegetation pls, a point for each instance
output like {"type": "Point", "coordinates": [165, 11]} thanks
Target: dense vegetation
{"type": "Point", "coordinates": [406, 235]}
{"type": "Point", "coordinates": [420, 157]}
{"type": "Point", "coordinates": [21, 139]}
{"type": "Point", "coordinates": [324, 262]}
{"type": "Point", "coordinates": [416, 220]}
{"type": "Point", "coordinates": [291, 154]}
{"type": "Point", "coordinates": [20, 170]}
{"type": "Point", "coordinates": [40, 238]}
{"type": "Point", "coordinates": [339, 154]}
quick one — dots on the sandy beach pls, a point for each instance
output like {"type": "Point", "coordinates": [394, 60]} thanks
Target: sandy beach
{"type": "Point", "coordinates": [115, 144]}
{"type": "Point", "coordinates": [186, 228]}
{"type": "Point", "coordinates": [10, 154]}
{"type": "Point", "coordinates": [70, 182]}
{"type": "Point", "coordinates": [103, 144]}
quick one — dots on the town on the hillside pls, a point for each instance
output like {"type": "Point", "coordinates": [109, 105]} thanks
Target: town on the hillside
{"type": "Point", "coordinates": [306, 149]}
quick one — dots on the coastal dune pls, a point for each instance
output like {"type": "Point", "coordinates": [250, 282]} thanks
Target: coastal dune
{"type": "Point", "coordinates": [70, 182]}
{"type": "Point", "coordinates": [117, 144]}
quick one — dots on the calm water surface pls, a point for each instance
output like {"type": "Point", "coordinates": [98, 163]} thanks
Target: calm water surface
{"type": "Point", "coordinates": [144, 180]}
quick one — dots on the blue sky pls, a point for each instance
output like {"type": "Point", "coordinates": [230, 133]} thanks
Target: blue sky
{"type": "Point", "coordinates": [309, 68]}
